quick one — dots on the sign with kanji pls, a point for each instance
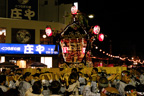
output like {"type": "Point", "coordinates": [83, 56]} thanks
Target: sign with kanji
{"type": "Point", "coordinates": [6, 48]}
{"type": "Point", "coordinates": [22, 9]}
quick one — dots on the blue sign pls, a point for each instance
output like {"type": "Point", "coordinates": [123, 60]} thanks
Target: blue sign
{"type": "Point", "coordinates": [6, 48]}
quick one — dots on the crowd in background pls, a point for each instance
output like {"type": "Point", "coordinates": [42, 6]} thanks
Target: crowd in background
{"type": "Point", "coordinates": [16, 83]}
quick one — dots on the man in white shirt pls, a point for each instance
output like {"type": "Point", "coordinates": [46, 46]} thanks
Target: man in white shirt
{"type": "Point", "coordinates": [125, 80]}
{"type": "Point", "coordinates": [2, 83]}
{"type": "Point", "coordinates": [25, 85]}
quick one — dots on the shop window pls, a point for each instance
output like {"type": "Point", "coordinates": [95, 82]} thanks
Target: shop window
{"type": "Point", "coordinates": [2, 35]}
{"type": "Point", "coordinates": [47, 61]}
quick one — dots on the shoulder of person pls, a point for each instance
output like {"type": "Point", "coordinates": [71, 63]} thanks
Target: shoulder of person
{"type": "Point", "coordinates": [28, 93]}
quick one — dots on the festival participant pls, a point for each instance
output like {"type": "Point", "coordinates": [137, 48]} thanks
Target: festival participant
{"type": "Point", "coordinates": [82, 81]}
{"type": "Point", "coordinates": [25, 85]}
{"type": "Point", "coordinates": [94, 79]}
{"type": "Point", "coordinates": [1, 92]}
{"type": "Point", "coordinates": [2, 83]}
{"type": "Point", "coordinates": [142, 76]}
{"type": "Point", "coordinates": [45, 83]}
{"type": "Point", "coordinates": [38, 70]}
{"type": "Point", "coordinates": [36, 89]}
{"type": "Point", "coordinates": [35, 78]}
{"type": "Point", "coordinates": [72, 85]}
{"type": "Point", "coordinates": [130, 90]}
{"type": "Point", "coordinates": [73, 70]}
{"type": "Point", "coordinates": [104, 89]}
{"type": "Point", "coordinates": [55, 88]}
{"type": "Point", "coordinates": [3, 72]}
{"type": "Point", "coordinates": [11, 83]}
{"type": "Point", "coordinates": [18, 78]}
{"type": "Point", "coordinates": [125, 80]}
{"type": "Point", "coordinates": [19, 71]}
{"type": "Point", "coordinates": [12, 92]}
{"type": "Point", "coordinates": [140, 90]}
{"type": "Point", "coordinates": [63, 83]}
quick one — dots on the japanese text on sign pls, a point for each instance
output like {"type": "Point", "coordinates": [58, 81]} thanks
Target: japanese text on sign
{"type": "Point", "coordinates": [27, 49]}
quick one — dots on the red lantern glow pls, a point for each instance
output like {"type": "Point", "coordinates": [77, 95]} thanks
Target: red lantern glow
{"type": "Point", "coordinates": [65, 49]}
{"type": "Point", "coordinates": [48, 31]}
{"type": "Point", "coordinates": [74, 10]}
{"type": "Point", "coordinates": [83, 50]}
{"type": "Point", "coordinates": [100, 64]}
{"type": "Point", "coordinates": [96, 29]}
{"type": "Point", "coordinates": [101, 37]}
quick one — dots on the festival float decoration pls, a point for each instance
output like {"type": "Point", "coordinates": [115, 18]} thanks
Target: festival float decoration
{"type": "Point", "coordinates": [76, 39]}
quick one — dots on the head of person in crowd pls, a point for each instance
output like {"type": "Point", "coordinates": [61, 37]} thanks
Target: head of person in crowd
{"type": "Point", "coordinates": [37, 87]}
{"type": "Point", "coordinates": [44, 80]}
{"type": "Point", "coordinates": [12, 92]}
{"type": "Point", "coordinates": [27, 76]}
{"type": "Point", "coordinates": [130, 90]}
{"type": "Point", "coordinates": [38, 70]}
{"type": "Point", "coordinates": [125, 76]}
{"type": "Point", "coordinates": [1, 92]}
{"type": "Point", "coordinates": [94, 71]}
{"type": "Point", "coordinates": [3, 72]}
{"type": "Point", "coordinates": [104, 88]}
{"type": "Point", "coordinates": [80, 67]}
{"type": "Point", "coordinates": [36, 76]}
{"type": "Point", "coordinates": [2, 79]}
{"type": "Point", "coordinates": [87, 77]}
{"type": "Point", "coordinates": [110, 91]}
{"type": "Point", "coordinates": [19, 71]}
{"type": "Point", "coordinates": [104, 73]}
{"type": "Point", "coordinates": [55, 87]}
{"type": "Point", "coordinates": [74, 70]}
{"type": "Point", "coordinates": [142, 70]}
{"type": "Point", "coordinates": [73, 78]}
{"type": "Point", "coordinates": [12, 71]}
{"type": "Point", "coordinates": [80, 74]}
{"type": "Point", "coordinates": [140, 90]}
{"type": "Point", "coordinates": [103, 83]}
{"type": "Point", "coordinates": [61, 67]}
{"type": "Point", "coordinates": [11, 77]}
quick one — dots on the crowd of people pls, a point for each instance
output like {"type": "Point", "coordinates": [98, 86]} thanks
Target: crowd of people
{"type": "Point", "coordinates": [127, 83]}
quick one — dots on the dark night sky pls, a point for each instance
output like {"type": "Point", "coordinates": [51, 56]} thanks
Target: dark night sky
{"type": "Point", "coordinates": [121, 21]}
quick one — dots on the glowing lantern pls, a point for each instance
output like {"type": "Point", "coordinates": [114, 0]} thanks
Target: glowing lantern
{"type": "Point", "coordinates": [48, 31]}
{"type": "Point", "coordinates": [100, 64]}
{"type": "Point", "coordinates": [96, 29]}
{"type": "Point", "coordinates": [74, 10]}
{"type": "Point", "coordinates": [83, 50]}
{"type": "Point", "coordinates": [101, 37]}
{"type": "Point", "coordinates": [65, 49]}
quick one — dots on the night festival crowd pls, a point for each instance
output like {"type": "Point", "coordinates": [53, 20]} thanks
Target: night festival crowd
{"type": "Point", "coordinates": [76, 83]}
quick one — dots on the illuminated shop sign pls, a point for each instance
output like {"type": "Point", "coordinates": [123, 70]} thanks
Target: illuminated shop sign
{"type": "Point", "coordinates": [27, 49]}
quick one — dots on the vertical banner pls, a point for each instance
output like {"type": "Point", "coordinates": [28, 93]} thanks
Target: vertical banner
{"type": "Point", "coordinates": [22, 9]}
{"type": "Point", "coordinates": [25, 36]}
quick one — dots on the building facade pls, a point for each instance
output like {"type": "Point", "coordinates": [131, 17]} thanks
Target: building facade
{"type": "Point", "coordinates": [17, 26]}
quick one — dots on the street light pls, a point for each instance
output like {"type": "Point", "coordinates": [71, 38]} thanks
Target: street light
{"type": "Point", "coordinates": [91, 16]}
{"type": "Point", "coordinates": [44, 36]}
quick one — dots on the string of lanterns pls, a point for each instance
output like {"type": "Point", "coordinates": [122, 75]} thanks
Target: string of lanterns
{"type": "Point", "coordinates": [135, 62]}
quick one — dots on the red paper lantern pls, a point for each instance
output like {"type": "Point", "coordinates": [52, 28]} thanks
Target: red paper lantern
{"type": "Point", "coordinates": [48, 31]}
{"type": "Point", "coordinates": [65, 49]}
{"type": "Point", "coordinates": [101, 37]}
{"type": "Point", "coordinates": [74, 10]}
{"type": "Point", "coordinates": [83, 50]}
{"type": "Point", "coordinates": [96, 29]}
